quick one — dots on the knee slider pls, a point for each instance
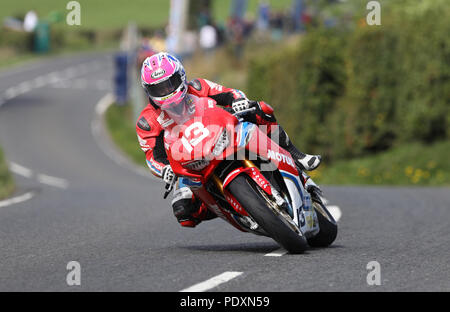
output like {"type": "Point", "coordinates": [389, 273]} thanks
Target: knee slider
{"type": "Point", "coordinates": [182, 204]}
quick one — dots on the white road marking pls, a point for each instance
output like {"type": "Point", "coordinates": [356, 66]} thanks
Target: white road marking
{"type": "Point", "coordinates": [61, 84]}
{"type": "Point", "coordinates": [41, 178]}
{"type": "Point", "coordinates": [52, 181]}
{"type": "Point", "coordinates": [212, 282]}
{"type": "Point", "coordinates": [51, 78]}
{"type": "Point", "coordinates": [277, 253]}
{"type": "Point", "coordinates": [335, 212]}
{"type": "Point", "coordinates": [11, 93]}
{"type": "Point", "coordinates": [79, 84]}
{"type": "Point", "coordinates": [16, 200]}
{"type": "Point", "coordinates": [39, 81]}
{"type": "Point", "coordinates": [24, 87]}
{"type": "Point", "coordinates": [117, 157]}
{"type": "Point", "coordinates": [104, 103]}
{"type": "Point", "coordinates": [20, 170]}
{"type": "Point", "coordinates": [69, 72]}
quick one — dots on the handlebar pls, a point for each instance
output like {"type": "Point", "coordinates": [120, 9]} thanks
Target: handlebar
{"type": "Point", "coordinates": [245, 111]}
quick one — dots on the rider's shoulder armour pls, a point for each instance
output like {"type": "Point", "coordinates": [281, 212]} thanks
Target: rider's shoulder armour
{"type": "Point", "coordinates": [196, 84]}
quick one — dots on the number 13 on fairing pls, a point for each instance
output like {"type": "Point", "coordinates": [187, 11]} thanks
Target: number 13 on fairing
{"type": "Point", "coordinates": [193, 135]}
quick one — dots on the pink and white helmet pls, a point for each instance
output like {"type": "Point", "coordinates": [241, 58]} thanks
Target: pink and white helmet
{"type": "Point", "coordinates": [164, 79]}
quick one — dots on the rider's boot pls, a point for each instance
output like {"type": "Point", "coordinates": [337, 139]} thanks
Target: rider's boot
{"type": "Point", "coordinates": [188, 210]}
{"type": "Point", "coordinates": [303, 161]}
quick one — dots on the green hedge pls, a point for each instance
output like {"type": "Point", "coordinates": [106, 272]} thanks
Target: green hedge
{"type": "Point", "coordinates": [6, 180]}
{"type": "Point", "coordinates": [61, 38]}
{"type": "Point", "coordinates": [355, 92]}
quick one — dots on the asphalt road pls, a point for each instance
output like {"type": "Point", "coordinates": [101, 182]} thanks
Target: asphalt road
{"type": "Point", "coordinates": [114, 222]}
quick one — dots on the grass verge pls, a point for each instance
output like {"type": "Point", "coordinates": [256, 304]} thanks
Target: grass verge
{"type": "Point", "coordinates": [6, 180]}
{"type": "Point", "coordinates": [412, 164]}
{"type": "Point", "coordinates": [122, 129]}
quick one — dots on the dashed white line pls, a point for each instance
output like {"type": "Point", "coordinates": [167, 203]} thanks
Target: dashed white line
{"type": "Point", "coordinates": [277, 253]}
{"type": "Point", "coordinates": [69, 72]}
{"type": "Point", "coordinates": [48, 79]}
{"type": "Point", "coordinates": [39, 82]}
{"type": "Point", "coordinates": [52, 181]}
{"type": "Point", "coordinates": [41, 178]}
{"type": "Point", "coordinates": [16, 200]}
{"type": "Point", "coordinates": [212, 282]}
{"type": "Point", "coordinates": [20, 170]}
{"type": "Point", "coordinates": [335, 212]}
{"type": "Point", "coordinates": [24, 87]}
{"type": "Point", "coordinates": [11, 93]}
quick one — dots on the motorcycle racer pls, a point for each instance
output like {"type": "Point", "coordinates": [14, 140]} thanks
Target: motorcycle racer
{"type": "Point", "coordinates": [164, 79]}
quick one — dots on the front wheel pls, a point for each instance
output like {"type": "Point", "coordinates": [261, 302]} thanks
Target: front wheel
{"type": "Point", "coordinates": [327, 225]}
{"type": "Point", "coordinates": [275, 222]}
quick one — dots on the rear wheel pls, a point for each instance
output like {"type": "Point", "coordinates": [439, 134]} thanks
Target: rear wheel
{"type": "Point", "coordinates": [275, 221]}
{"type": "Point", "coordinates": [327, 225]}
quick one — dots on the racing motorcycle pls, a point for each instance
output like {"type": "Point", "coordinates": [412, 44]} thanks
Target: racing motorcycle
{"type": "Point", "coordinates": [245, 177]}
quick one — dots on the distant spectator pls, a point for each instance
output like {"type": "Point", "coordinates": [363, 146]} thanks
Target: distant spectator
{"type": "Point", "coordinates": [30, 21]}
{"type": "Point", "coordinates": [208, 37]}
{"type": "Point", "coordinates": [236, 29]}
{"type": "Point", "coordinates": [221, 33]}
{"type": "Point", "coordinates": [13, 23]}
{"type": "Point", "coordinates": [262, 23]}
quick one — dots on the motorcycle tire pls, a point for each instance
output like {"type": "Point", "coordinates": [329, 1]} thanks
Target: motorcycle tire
{"type": "Point", "coordinates": [327, 226]}
{"type": "Point", "coordinates": [250, 196]}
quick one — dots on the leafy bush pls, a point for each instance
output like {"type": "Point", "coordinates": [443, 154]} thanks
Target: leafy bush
{"type": "Point", "coordinates": [19, 41]}
{"type": "Point", "coordinates": [363, 90]}
{"type": "Point", "coordinates": [303, 83]}
{"type": "Point", "coordinates": [6, 180]}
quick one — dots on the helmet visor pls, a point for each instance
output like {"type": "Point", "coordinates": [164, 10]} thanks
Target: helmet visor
{"type": "Point", "coordinates": [180, 112]}
{"type": "Point", "coordinates": [165, 87]}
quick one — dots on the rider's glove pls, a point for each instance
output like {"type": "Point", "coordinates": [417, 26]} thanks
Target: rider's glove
{"type": "Point", "coordinates": [167, 174]}
{"type": "Point", "coordinates": [229, 109]}
{"type": "Point", "coordinates": [241, 104]}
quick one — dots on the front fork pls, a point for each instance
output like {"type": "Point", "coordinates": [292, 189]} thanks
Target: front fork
{"type": "Point", "coordinates": [310, 186]}
{"type": "Point", "coordinates": [249, 168]}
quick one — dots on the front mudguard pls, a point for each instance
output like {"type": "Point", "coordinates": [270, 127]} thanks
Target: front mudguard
{"type": "Point", "coordinates": [254, 174]}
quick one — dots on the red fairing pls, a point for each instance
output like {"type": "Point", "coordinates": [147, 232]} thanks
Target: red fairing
{"type": "Point", "coordinates": [263, 146]}
{"type": "Point", "coordinates": [266, 108]}
{"type": "Point", "coordinates": [196, 138]}
{"type": "Point", "coordinates": [214, 207]}
{"type": "Point", "coordinates": [253, 173]}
